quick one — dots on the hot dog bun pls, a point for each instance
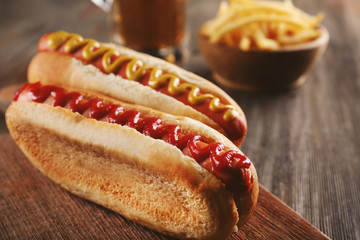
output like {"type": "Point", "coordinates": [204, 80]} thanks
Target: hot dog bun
{"type": "Point", "coordinates": [144, 179]}
{"type": "Point", "coordinates": [66, 59]}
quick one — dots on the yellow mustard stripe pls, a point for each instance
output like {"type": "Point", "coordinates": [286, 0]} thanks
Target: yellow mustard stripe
{"type": "Point", "coordinates": [136, 69]}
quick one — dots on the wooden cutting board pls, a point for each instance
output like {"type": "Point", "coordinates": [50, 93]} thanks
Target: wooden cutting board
{"type": "Point", "coordinates": [33, 207]}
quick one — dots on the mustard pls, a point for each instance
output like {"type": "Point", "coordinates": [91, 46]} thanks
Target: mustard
{"type": "Point", "coordinates": [136, 69]}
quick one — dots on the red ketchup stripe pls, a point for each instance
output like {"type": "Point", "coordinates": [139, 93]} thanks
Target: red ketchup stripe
{"type": "Point", "coordinates": [232, 167]}
{"type": "Point", "coordinates": [235, 129]}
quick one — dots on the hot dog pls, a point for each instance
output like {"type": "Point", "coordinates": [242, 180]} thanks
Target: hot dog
{"type": "Point", "coordinates": [68, 59]}
{"type": "Point", "coordinates": [169, 173]}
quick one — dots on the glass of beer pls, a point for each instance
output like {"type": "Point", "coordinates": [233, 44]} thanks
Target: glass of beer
{"type": "Point", "coordinates": [156, 27]}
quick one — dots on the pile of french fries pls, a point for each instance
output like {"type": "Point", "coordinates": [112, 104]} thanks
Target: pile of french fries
{"type": "Point", "coordinates": [264, 25]}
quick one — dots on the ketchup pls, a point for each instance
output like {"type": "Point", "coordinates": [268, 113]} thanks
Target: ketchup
{"type": "Point", "coordinates": [232, 167]}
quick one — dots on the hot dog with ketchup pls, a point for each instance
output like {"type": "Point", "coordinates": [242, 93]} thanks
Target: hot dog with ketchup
{"type": "Point", "coordinates": [67, 59]}
{"type": "Point", "coordinates": [172, 174]}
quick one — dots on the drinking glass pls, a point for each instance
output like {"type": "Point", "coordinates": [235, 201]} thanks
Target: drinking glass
{"type": "Point", "coordinates": [156, 27]}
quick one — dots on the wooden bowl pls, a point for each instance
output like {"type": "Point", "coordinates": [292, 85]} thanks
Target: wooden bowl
{"type": "Point", "coordinates": [257, 70]}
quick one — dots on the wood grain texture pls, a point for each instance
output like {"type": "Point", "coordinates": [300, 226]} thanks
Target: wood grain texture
{"type": "Point", "coordinates": [6, 95]}
{"type": "Point", "coordinates": [305, 143]}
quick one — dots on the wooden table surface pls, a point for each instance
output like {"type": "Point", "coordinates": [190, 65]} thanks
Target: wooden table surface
{"type": "Point", "coordinates": [305, 143]}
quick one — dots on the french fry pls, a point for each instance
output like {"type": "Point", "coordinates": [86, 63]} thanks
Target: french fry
{"type": "Point", "coordinates": [301, 37]}
{"type": "Point", "coordinates": [245, 43]}
{"type": "Point", "coordinates": [263, 42]}
{"type": "Point", "coordinates": [266, 25]}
